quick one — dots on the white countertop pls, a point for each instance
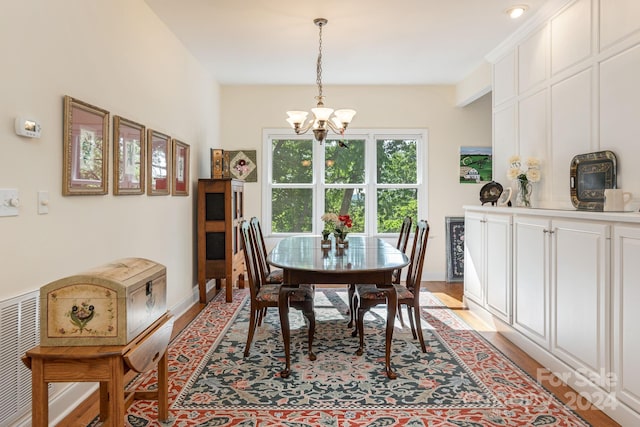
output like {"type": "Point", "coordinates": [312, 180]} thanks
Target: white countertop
{"type": "Point", "coordinates": [632, 216]}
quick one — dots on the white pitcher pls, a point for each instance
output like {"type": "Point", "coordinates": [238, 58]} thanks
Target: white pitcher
{"type": "Point", "coordinates": [616, 199]}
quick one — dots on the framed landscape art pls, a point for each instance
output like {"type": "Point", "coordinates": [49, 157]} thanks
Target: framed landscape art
{"type": "Point", "coordinates": [180, 174]}
{"type": "Point", "coordinates": [158, 163]}
{"type": "Point", "coordinates": [85, 149]}
{"type": "Point", "coordinates": [476, 164]}
{"type": "Point", "coordinates": [129, 155]}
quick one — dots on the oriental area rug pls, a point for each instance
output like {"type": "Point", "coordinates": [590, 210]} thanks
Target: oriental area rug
{"type": "Point", "coordinates": [462, 380]}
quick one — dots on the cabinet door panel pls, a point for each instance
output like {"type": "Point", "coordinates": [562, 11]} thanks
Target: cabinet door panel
{"type": "Point", "coordinates": [626, 315]}
{"type": "Point", "coordinates": [531, 312]}
{"type": "Point", "coordinates": [580, 295]}
{"type": "Point", "coordinates": [473, 256]}
{"type": "Point", "coordinates": [499, 266]}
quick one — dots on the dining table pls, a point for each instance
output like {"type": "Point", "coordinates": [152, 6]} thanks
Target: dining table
{"type": "Point", "coordinates": [307, 260]}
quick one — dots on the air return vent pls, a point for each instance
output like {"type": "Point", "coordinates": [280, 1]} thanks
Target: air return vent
{"type": "Point", "coordinates": [19, 332]}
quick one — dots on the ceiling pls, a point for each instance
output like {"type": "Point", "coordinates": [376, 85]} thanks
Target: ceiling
{"type": "Point", "coordinates": [365, 41]}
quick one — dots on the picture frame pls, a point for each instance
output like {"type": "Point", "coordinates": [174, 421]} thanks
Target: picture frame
{"type": "Point", "coordinates": [455, 248]}
{"type": "Point", "coordinates": [158, 163]}
{"type": "Point", "coordinates": [476, 165]}
{"type": "Point", "coordinates": [85, 149]}
{"type": "Point", "coordinates": [180, 173]}
{"type": "Point", "coordinates": [129, 156]}
{"type": "Point", "coordinates": [243, 165]}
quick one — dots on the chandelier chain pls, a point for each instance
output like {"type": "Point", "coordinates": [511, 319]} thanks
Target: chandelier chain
{"type": "Point", "coordinates": [319, 65]}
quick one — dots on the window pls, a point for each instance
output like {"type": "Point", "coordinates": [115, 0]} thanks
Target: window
{"type": "Point", "coordinates": [376, 177]}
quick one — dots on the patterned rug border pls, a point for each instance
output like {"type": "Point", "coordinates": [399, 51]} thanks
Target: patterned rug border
{"type": "Point", "coordinates": [516, 367]}
{"type": "Point", "coordinates": [348, 416]}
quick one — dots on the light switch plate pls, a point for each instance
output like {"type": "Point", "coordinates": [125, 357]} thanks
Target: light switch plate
{"type": "Point", "coordinates": [9, 202]}
{"type": "Point", "coordinates": [43, 202]}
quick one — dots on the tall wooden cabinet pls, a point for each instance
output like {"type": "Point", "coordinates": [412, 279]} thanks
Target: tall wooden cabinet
{"type": "Point", "coordinates": [220, 256]}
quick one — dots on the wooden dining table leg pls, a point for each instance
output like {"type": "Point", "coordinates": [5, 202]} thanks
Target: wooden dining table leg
{"type": "Point", "coordinates": [283, 310]}
{"type": "Point", "coordinates": [392, 304]}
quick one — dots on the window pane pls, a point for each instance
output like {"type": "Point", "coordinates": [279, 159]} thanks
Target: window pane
{"type": "Point", "coordinates": [344, 165]}
{"type": "Point", "coordinates": [397, 161]}
{"type": "Point", "coordinates": [393, 206]}
{"type": "Point", "coordinates": [292, 161]}
{"type": "Point", "coordinates": [347, 201]}
{"type": "Point", "coordinates": [291, 210]}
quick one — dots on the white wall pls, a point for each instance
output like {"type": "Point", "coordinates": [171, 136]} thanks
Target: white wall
{"type": "Point", "coordinates": [119, 56]}
{"type": "Point", "coordinates": [246, 110]}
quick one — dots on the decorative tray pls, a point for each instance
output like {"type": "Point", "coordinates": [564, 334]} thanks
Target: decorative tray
{"type": "Point", "coordinates": [490, 192]}
{"type": "Point", "coordinates": [590, 174]}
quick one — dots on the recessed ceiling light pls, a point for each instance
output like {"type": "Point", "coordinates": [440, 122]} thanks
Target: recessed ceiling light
{"type": "Point", "coordinates": [515, 12]}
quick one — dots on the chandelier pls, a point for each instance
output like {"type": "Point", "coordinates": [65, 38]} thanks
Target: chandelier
{"type": "Point", "coordinates": [323, 118]}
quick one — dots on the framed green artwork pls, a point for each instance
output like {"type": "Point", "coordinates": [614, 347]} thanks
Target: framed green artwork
{"type": "Point", "coordinates": [475, 165]}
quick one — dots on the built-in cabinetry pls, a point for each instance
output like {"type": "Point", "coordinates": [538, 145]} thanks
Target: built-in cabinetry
{"type": "Point", "coordinates": [220, 256]}
{"type": "Point", "coordinates": [571, 279]}
{"type": "Point", "coordinates": [626, 314]}
{"type": "Point", "coordinates": [561, 289]}
{"type": "Point", "coordinates": [567, 84]}
{"type": "Point", "coordinates": [487, 273]}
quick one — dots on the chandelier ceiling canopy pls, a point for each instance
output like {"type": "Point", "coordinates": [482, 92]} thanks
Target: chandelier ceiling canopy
{"type": "Point", "coordinates": [322, 118]}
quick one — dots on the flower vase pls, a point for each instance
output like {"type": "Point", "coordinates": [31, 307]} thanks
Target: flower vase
{"type": "Point", "coordinates": [523, 197]}
{"type": "Point", "coordinates": [325, 242]}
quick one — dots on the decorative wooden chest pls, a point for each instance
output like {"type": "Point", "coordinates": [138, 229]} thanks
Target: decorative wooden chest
{"type": "Point", "coordinates": [107, 305]}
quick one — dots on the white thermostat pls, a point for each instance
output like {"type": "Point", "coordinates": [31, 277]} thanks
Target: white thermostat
{"type": "Point", "coordinates": [27, 127]}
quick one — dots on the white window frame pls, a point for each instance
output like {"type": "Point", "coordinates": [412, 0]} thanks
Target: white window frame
{"type": "Point", "coordinates": [317, 183]}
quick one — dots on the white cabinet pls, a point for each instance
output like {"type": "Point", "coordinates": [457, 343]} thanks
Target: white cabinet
{"type": "Point", "coordinates": [531, 278]}
{"type": "Point", "coordinates": [574, 294]}
{"type": "Point", "coordinates": [626, 314]}
{"type": "Point", "coordinates": [580, 296]}
{"type": "Point", "coordinates": [561, 271]}
{"type": "Point", "coordinates": [487, 271]}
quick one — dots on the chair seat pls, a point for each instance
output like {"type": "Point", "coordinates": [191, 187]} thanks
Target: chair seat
{"type": "Point", "coordinates": [270, 293]}
{"type": "Point", "coordinates": [372, 292]}
{"type": "Point", "coordinates": [275, 277]}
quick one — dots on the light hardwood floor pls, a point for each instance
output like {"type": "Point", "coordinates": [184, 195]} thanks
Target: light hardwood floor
{"type": "Point", "coordinates": [451, 295]}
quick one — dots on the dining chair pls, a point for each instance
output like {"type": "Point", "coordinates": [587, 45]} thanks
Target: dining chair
{"type": "Point", "coordinates": [274, 276]}
{"type": "Point", "coordinates": [265, 295]}
{"type": "Point", "coordinates": [369, 295]}
{"type": "Point", "coordinates": [403, 240]}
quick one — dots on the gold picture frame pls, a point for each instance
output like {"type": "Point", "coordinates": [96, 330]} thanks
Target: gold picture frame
{"type": "Point", "coordinates": [180, 182]}
{"type": "Point", "coordinates": [85, 150]}
{"type": "Point", "coordinates": [129, 156]}
{"type": "Point", "coordinates": [158, 163]}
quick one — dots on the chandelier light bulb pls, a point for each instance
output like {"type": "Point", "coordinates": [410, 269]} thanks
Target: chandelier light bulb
{"type": "Point", "coordinates": [322, 118]}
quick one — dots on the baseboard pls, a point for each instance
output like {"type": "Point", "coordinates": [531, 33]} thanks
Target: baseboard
{"type": "Point", "coordinates": [62, 402]}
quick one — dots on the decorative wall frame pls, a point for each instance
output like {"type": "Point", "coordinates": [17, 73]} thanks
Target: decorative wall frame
{"type": "Point", "coordinates": [158, 163]}
{"type": "Point", "coordinates": [243, 165]}
{"type": "Point", "coordinates": [129, 155]}
{"type": "Point", "coordinates": [455, 248]}
{"type": "Point", "coordinates": [180, 182]}
{"type": "Point", "coordinates": [476, 164]}
{"type": "Point", "coordinates": [86, 149]}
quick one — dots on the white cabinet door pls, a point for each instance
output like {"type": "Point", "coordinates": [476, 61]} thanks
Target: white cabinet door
{"type": "Point", "coordinates": [487, 264]}
{"type": "Point", "coordinates": [626, 314]}
{"type": "Point", "coordinates": [531, 278]}
{"type": "Point", "coordinates": [580, 296]}
{"type": "Point", "coordinates": [498, 266]}
{"type": "Point", "coordinates": [474, 256]}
